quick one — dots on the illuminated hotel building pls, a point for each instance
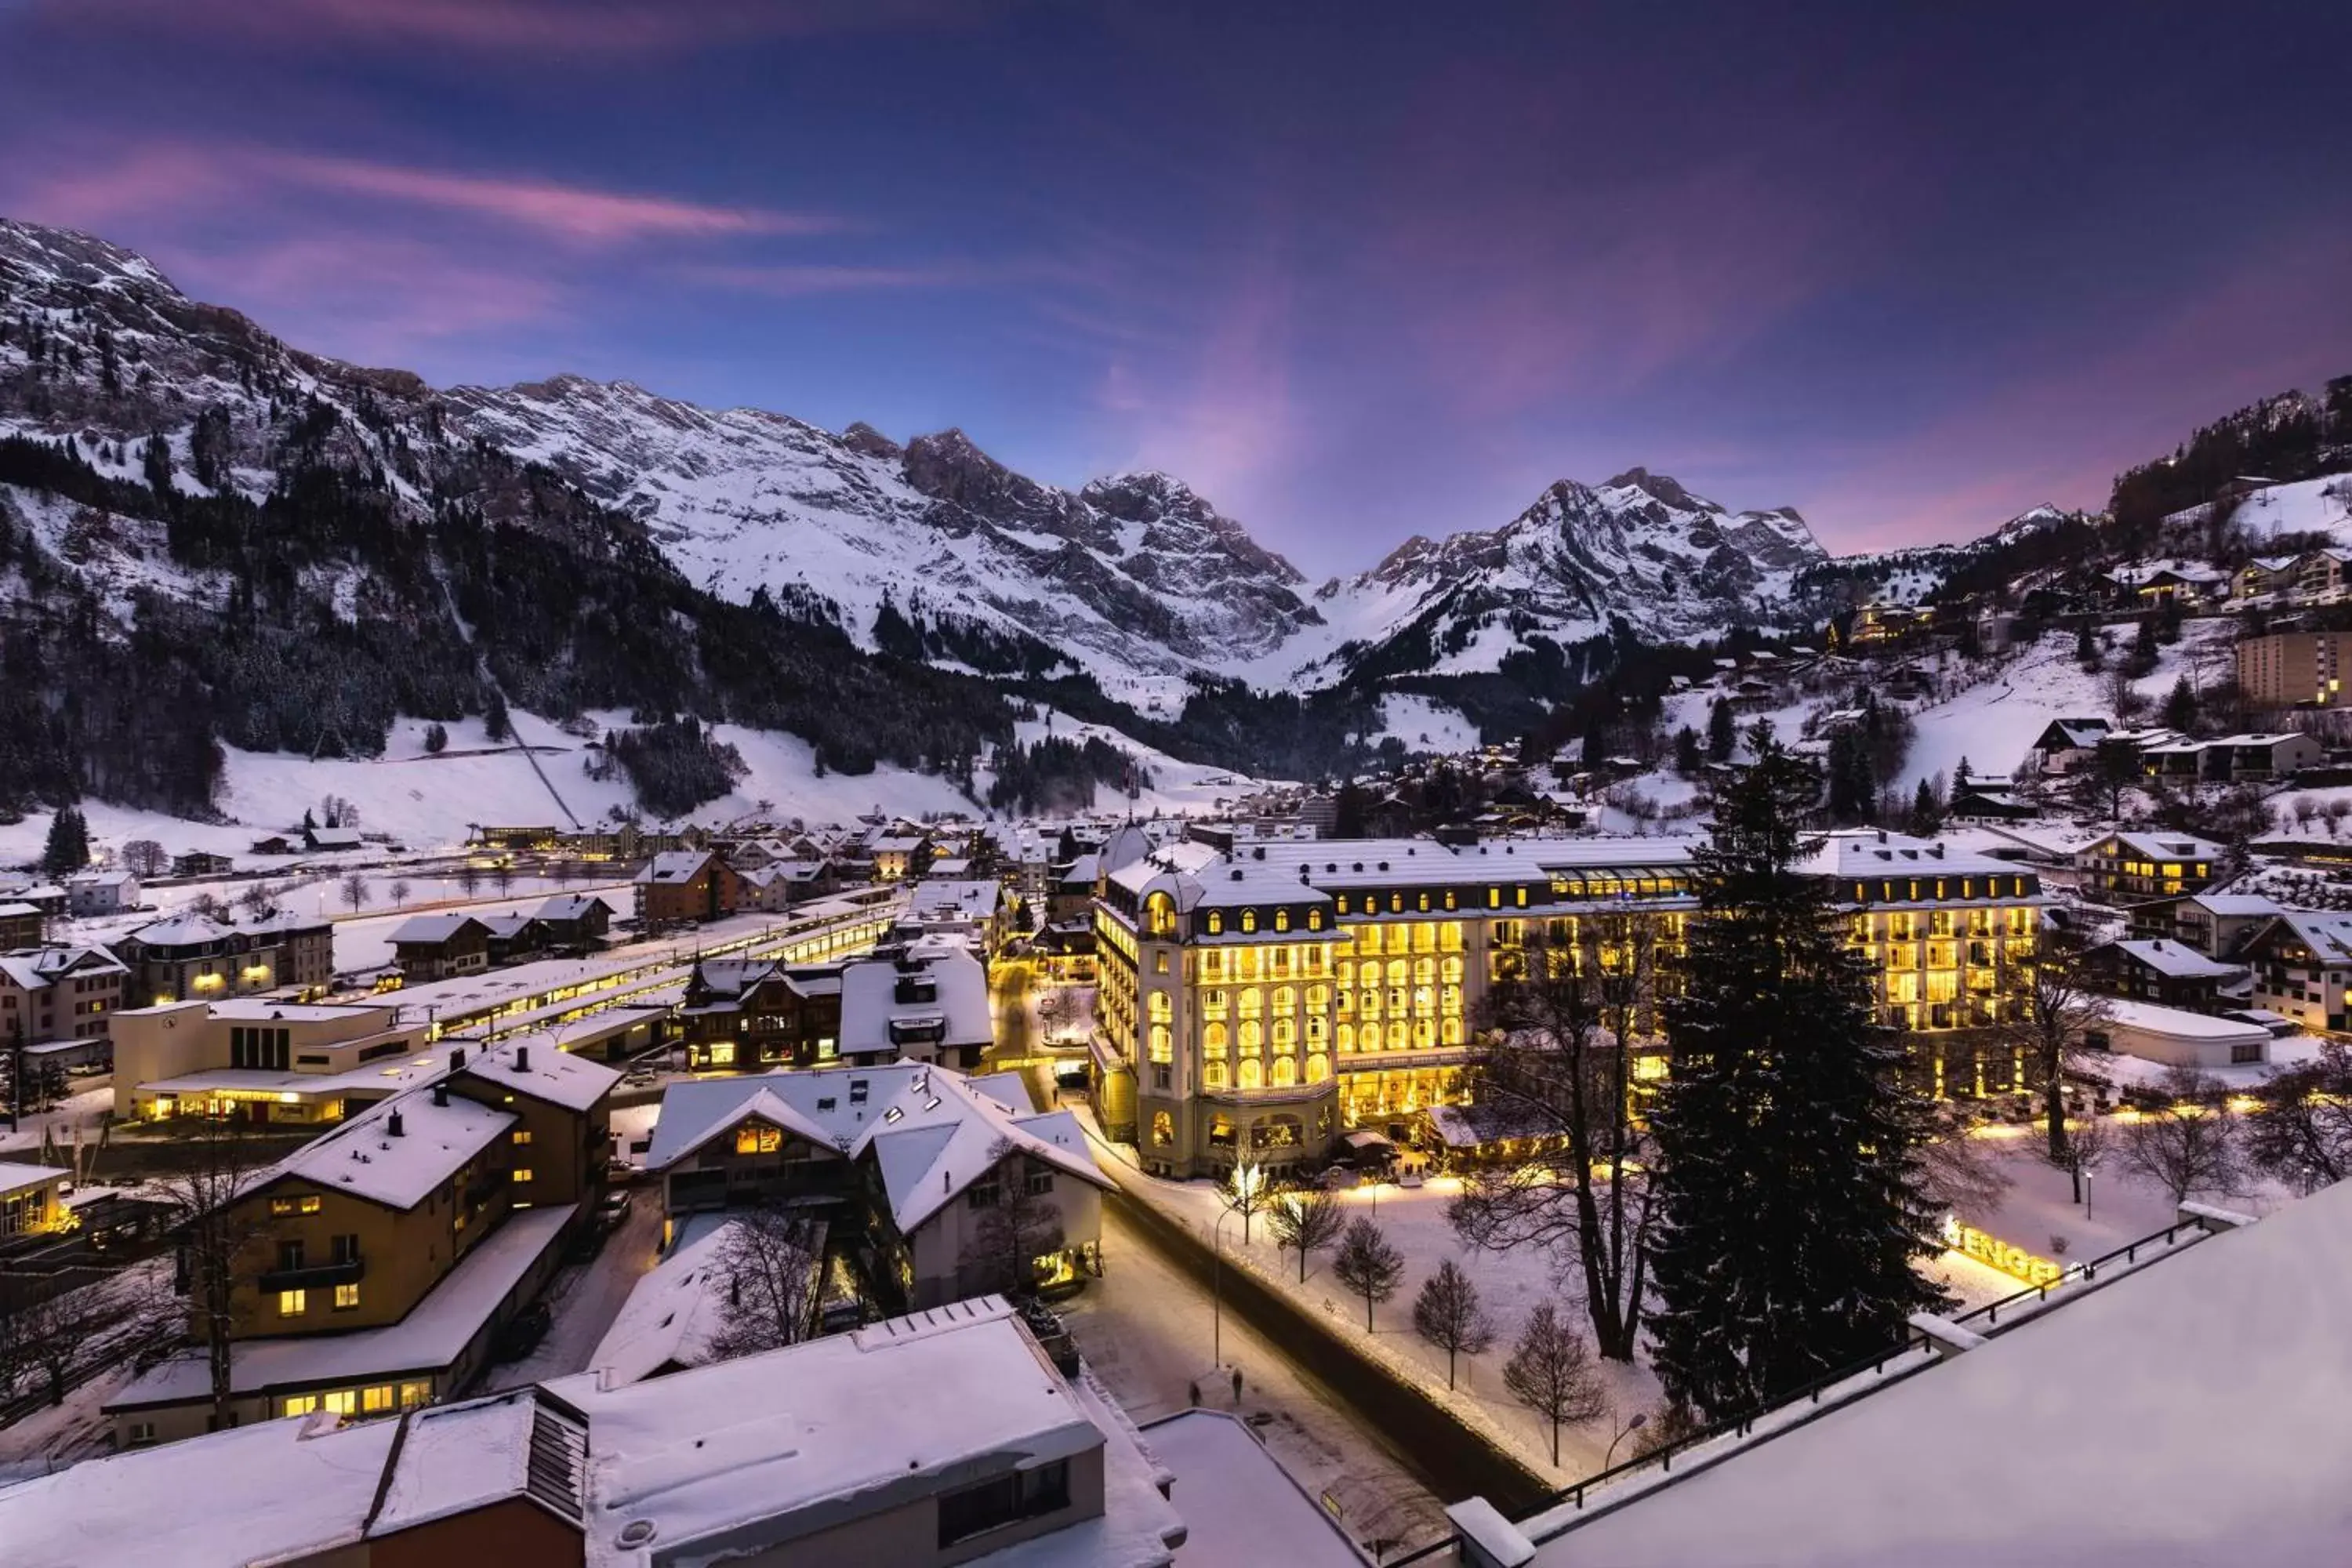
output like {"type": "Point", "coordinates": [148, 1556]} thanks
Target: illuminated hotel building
{"type": "Point", "coordinates": [1254, 1004]}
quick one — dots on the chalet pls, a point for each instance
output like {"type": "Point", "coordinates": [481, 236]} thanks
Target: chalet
{"type": "Point", "coordinates": [277, 843]}
{"type": "Point", "coordinates": [1983, 801]}
{"type": "Point", "coordinates": [574, 922]}
{"type": "Point", "coordinates": [192, 955]}
{"type": "Point", "coordinates": [331, 840]}
{"type": "Point", "coordinates": [2303, 963]}
{"type": "Point", "coordinates": [906, 1154]}
{"type": "Point", "coordinates": [2215, 924]}
{"type": "Point", "coordinates": [924, 1006]}
{"type": "Point", "coordinates": [2069, 744]}
{"type": "Point", "coordinates": [21, 925]}
{"type": "Point", "coordinates": [745, 1014]}
{"type": "Point", "coordinates": [99, 893]}
{"type": "Point", "coordinates": [52, 994]}
{"type": "Point", "coordinates": [2263, 576]}
{"type": "Point", "coordinates": [897, 856]}
{"type": "Point", "coordinates": [202, 863]}
{"type": "Point", "coordinates": [2125, 866]}
{"type": "Point", "coordinates": [974, 911]}
{"type": "Point", "coordinates": [687, 887]}
{"type": "Point", "coordinates": [2167, 973]}
{"type": "Point", "coordinates": [437, 947]}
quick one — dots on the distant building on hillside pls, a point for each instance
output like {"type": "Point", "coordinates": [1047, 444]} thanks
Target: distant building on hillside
{"type": "Point", "coordinates": [2294, 670]}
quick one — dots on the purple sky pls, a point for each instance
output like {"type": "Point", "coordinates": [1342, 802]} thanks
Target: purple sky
{"type": "Point", "coordinates": [1908, 270]}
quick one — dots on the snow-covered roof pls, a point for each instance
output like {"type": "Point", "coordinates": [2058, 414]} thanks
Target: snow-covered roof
{"type": "Point", "coordinates": [2157, 846]}
{"type": "Point", "coordinates": [673, 866]}
{"type": "Point", "coordinates": [181, 931]}
{"type": "Point", "coordinates": [2177, 960]}
{"type": "Point", "coordinates": [2179, 1023]}
{"type": "Point", "coordinates": [34, 968]}
{"type": "Point", "coordinates": [1239, 1504]}
{"type": "Point", "coordinates": [434, 930]}
{"type": "Point", "coordinates": [18, 1178]}
{"type": "Point", "coordinates": [364, 1157]}
{"type": "Point", "coordinates": [850, 1424]}
{"type": "Point", "coordinates": [457, 1457]}
{"type": "Point", "coordinates": [2205, 1420]}
{"type": "Point", "coordinates": [894, 844]}
{"type": "Point", "coordinates": [1861, 854]}
{"type": "Point", "coordinates": [949, 900]}
{"type": "Point", "coordinates": [554, 1075]}
{"type": "Point", "coordinates": [931, 1129]}
{"type": "Point", "coordinates": [671, 1313]}
{"type": "Point", "coordinates": [571, 907]}
{"type": "Point", "coordinates": [871, 1012]}
{"type": "Point", "coordinates": [2327, 934]}
{"type": "Point", "coordinates": [2236, 904]}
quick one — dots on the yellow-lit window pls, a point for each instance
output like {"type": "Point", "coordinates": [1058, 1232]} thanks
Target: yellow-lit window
{"type": "Point", "coordinates": [522, 1135]}
{"type": "Point", "coordinates": [747, 1141]}
{"type": "Point", "coordinates": [297, 1404]}
{"type": "Point", "coordinates": [281, 1207]}
{"type": "Point", "coordinates": [523, 1175]}
{"type": "Point", "coordinates": [378, 1399]}
{"type": "Point", "coordinates": [1216, 922]}
{"type": "Point", "coordinates": [1249, 919]}
{"type": "Point", "coordinates": [291, 1303]}
{"type": "Point", "coordinates": [342, 1401]}
{"type": "Point", "coordinates": [347, 1298]}
{"type": "Point", "coordinates": [1282, 919]}
{"type": "Point", "coordinates": [415, 1394]}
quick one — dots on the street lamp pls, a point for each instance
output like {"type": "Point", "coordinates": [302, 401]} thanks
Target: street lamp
{"type": "Point", "coordinates": [1641, 1419]}
{"type": "Point", "coordinates": [1217, 1291]}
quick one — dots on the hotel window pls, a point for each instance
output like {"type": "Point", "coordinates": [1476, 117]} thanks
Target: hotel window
{"type": "Point", "coordinates": [523, 1175]}
{"type": "Point", "coordinates": [1315, 920]}
{"type": "Point", "coordinates": [522, 1135]}
{"type": "Point", "coordinates": [347, 1298]}
{"type": "Point", "coordinates": [1164, 1129]}
{"type": "Point", "coordinates": [281, 1207]}
{"type": "Point", "coordinates": [1216, 923]}
{"type": "Point", "coordinates": [754, 1139]}
{"type": "Point", "coordinates": [1249, 920]}
{"type": "Point", "coordinates": [1282, 919]}
{"type": "Point", "coordinates": [291, 1303]}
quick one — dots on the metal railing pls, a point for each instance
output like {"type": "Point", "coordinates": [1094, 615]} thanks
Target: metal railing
{"type": "Point", "coordinates": [2129, 1253]}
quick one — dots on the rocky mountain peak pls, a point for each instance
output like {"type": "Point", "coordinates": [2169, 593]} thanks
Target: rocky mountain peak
{"type": "Point", "coordinates": [1661, 487]}
{"type": "Point", "coordinates": [868, 442]}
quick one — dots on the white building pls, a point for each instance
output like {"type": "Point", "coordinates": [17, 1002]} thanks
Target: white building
{"type": "Point", "coordinates": [95, 893]}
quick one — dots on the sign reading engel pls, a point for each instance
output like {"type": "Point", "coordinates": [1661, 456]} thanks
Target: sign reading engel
{"type": "Point", "coordinates": [1998, 1254]}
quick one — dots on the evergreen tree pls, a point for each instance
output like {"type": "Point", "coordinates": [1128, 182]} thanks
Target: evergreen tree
{"type": "Point", "coordinates": [495, 722]}
{"type": "Point", "coordinates": [2086, 646]}
{"type": "Point", "coordinates": [1790, 1203]}
{"type": "Point", "coordinates": [68, 849]}
{"type": "Point", "coordinates": [2181, 707]}
{"type": "Point", "coordinates": [1926, 809]}
{"type": "Point", "coordinates": [436, 739]}
{"type": "Point", "coordinates": [1722, 732]}
{"type": "Point", "coordinates": [1689, 755]}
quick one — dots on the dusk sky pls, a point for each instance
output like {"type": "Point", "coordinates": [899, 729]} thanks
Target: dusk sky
{"type": "Point", "coordinates": [1908, 269]}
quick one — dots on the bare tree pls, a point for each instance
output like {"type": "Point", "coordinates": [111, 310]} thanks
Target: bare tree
{"type": "Point", "coordinates": [2053, 1012]}
{"type": "Point", "coordinates": [1368, 1265]}
{"type": "Point", "coordinates": [1246, 1191]}
{"type": "Point", "coordinates": [771, 1267]}
{"type": "Point", "coordinates": [355, 891]}
{"type": "Point", "coordinates": [1958, 1171]}
{"type": "Point", "coordinates": [257, 899]}
{"type": "Point", "coordinates": [1016, 1223]}
{"type": "Point", "coordinates": [469, 877]}
{"type": "Point", "coordinates": [400, 891]}
{"type": "Point", "coordinates": [211, 1168]}
{"type": "Point", "coordinates": [2301, 1131]}
{"type": "Point", "coordinates": [1305, 1219]}
{"type": "Point", "coordinates": [504, 874]}
{"type": "Point", "coordinates": [211, 906]}
{"type": "Point", "coordinates": [145, 858]}
{"type": "Point", "coordinates": [48, 1336]}
{"type": "Point", "coordinates": [1448, 1314]}
{"type": "Point", "coordinates": [1561, 1071]}
{"type": "Point", "coordinates": [1552, 1373]}
{"type": "Point", "coordinates": [2190, 1144]}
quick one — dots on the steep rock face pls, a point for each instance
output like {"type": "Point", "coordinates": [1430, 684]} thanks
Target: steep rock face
{"type": "Point", "coordinates": [1133, 573]}
{"type": "Point", "coordinates": [1641, 547]}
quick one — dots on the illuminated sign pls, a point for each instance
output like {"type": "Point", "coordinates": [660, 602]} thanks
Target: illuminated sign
{"type": "Point", "coordinates": [1995, 1253]}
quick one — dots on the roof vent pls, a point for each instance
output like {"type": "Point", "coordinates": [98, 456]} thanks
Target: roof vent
{"type": "Point", "coordinates": [522, 1059]}
{"type": "Point", "coordinates": [1384, 864]}
{"type": "Point", "coordinates": [394, 1127]}
{"type": "Point", "coordinates": [441, 1091]}
{"type": "Point", "coordinates": [1358, 866]}
{"type": "Point", "coordinates": [1237, 873]}
{"type": "Point", "coordinates": [457, 1057]}
{"type": "Point", "coordinates": [634, 1534]}
{"type": "Point", "coordinates": [1258, 853]}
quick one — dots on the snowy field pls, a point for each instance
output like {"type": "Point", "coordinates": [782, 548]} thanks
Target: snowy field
{"type": "Point", "coordinates": [1425, 724]}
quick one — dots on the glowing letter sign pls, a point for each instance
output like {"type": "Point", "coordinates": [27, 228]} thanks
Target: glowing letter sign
{"type": "Point", "coordinates": [1995, 1253]}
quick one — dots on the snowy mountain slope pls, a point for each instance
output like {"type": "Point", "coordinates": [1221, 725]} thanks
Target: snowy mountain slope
{"type": "Point", "coordinates": [1641, 548]}
{"type": "Point", "coordinates": [1133, 571]}
{"type": "Point", "coordinates": [2309, 506]}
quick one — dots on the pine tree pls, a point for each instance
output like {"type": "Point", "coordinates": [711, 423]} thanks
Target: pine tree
{"type": "Point", "coordinates": [1790, 1210]}
{"type": "Point", "coordinates": [2086, 646]}
{"type": "Point", "coordinates": [1689, 755]}
{"type": "Point", "coordinates": [1722, 732]}
{"type": "Point", "coordinates": [495, 722]}
{"type": "Point", "coordinates": [1926, 810]}
{"type": "Point", "coordinates": [2181, 707]}
{"type": "Point", "coordinates": [67, 849]}
{"type": "Point", "coordinates": [436, 739]}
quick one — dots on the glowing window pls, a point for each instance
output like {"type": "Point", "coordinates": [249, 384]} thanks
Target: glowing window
{"type": "Point", "coordinates": [347, 1298]}
{"type": "Point", "coordinates": [292, 1303]}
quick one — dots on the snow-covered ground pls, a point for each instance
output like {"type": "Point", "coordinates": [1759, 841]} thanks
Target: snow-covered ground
{"type": "Point", "coordinates": [2310, 505]}
{"type": "Point", "coordinates": [1425, 724]}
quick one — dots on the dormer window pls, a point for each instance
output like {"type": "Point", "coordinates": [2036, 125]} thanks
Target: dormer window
{"type": "Point", "coordinates": [1249, 919]}
{"type": "Point", "coordinates": [1216, 923]}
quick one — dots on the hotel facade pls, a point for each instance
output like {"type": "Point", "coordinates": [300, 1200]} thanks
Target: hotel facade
{"type": "Point", "coordinates": [1260, 1002]}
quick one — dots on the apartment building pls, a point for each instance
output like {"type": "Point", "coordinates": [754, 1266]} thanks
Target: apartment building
{"type": "Point", "coordinates": [2125, 867]}
{"type": "Point", "coordinates": [900, 1160]}
{"type": "Point", "coordinates": [60, 993]}
{"type": "Point", "coordinates": [2295, 670]}
{"type": "Point", "coordinates": [687, 886]}
{"type": "Point", "coordinates": [2302, 962]}
{"type": "Point", "coordinates": [376, 1262]}
{"type": "Point", "coordinates": [191, 957]}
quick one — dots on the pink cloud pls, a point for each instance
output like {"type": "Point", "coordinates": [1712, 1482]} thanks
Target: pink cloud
{"type": "Point", "coordinates": [167, 177]}
{"type": "Point", "coordinates": [790, 281]}
{"type": "Point", "coordinates": [577, 213]}
{"type": "Point", "coordinates": [603, 27]}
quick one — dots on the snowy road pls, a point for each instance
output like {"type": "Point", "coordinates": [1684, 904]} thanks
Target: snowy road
{"type": "Point", "coordinates": [1145, 1330]}
{"type": "Point", "coordinates": [586, 1298]}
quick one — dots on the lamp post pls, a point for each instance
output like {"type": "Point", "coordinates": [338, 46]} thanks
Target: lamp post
{"type": "Point", "coordinates": [1641, 1419]}
{"type": "Point", "coordinates": [1217, 1291]}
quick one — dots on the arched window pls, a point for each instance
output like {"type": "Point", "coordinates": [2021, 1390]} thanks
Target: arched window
{"type": "Point", "coordinates": [1163, 1047]}
{"type": "Point", "coordinates": [1285, 1034]}
{"type": "Point", "coordinates": [1212, 1039]}
{"type": "Point", "coordinates": [1449, 1031]}
{"type": "Point", "coordinates": [1161, 1008]}
{"type": "Point", "coordinates": [1284, 1072]}
{"type": "Point", "coordinates": [1319, 997]}
{"type": "Point", "coordinates": [1249, 919]}
{"type": "Point", "coordinates": [1424, 971]}
{"type": "Point", "coordinates": [1160, 915]}
{"type": "Point", "coordinates": [1253, 1035]}
{"type": "Point", "coordinates": [1318, 1028]}
{"type": "Point", "coordinates": [1318, 1068]}
{"type": "Point", "coordinates": [1425, 1032]}
{"type": "Point", "coordinates": [1253, 1002]}
{"type": "Point", "coordinates": [1164, 1129]}
{"type": "Point", "coordinates": [1285, 999]}
{"type": "Point", "coordinates": [1345, 1037]}
{"type": "Point", "coordinates": [1213, 1075]}
{"type": "Point", "coordinates": [1452, 970]}
{"type": "Point", "coordinates": [1367, 1038]}
{"type": "Point", "coordinates": [1253, 1073]}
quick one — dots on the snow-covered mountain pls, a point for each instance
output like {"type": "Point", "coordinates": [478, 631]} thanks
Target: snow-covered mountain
{"type": "Point", "coordinates": [1135, 570]}
{"type": "Point", "coordinates": [1640, 549]}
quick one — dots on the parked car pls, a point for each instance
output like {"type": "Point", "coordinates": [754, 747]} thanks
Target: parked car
{"type": "Point", "coordinates": [613, 1207]}
{"type": "Point", "coordinates": [638, 1076]}
{"type": "Point", "coordinates": [522, 1333]}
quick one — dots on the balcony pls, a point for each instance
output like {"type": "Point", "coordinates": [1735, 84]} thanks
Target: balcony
{"type": "Point", "coordinates": [314, 1276]}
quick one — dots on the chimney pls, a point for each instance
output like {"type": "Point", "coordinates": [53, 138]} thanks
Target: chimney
{"type": "Point", "coordinates": [522, 1059]}
{"type": "Point", "coordinates": [440, 1092]}
{"type": "Point", "coordinates": [457, 1057]}
{"type": "Point", "coordinates": [394, 1127]}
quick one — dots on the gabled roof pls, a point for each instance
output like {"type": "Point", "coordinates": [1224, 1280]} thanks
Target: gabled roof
{"type": "Point", "coordinates": [363, 1158]}
{"type": "Point", "coordinates": [2177, 961]}
{"type": "Point", "coordinates": [435, 930]}
{"type": "Point", "coordinates": [556, 1076]}
{"type": "Point", "coordinates": [181, 931]}
{"type": "Point", "coordinates": [571, 907]}
{"type": "Point", "coordinates": [2328, 936]}
{"type": "Point", "coordinates": [34, 968]}
{"type": "Point", "coordinates": [2173, 846]}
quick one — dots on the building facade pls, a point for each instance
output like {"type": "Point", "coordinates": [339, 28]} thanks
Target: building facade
{"type": "Point", "coordinates": [2295, 670]}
